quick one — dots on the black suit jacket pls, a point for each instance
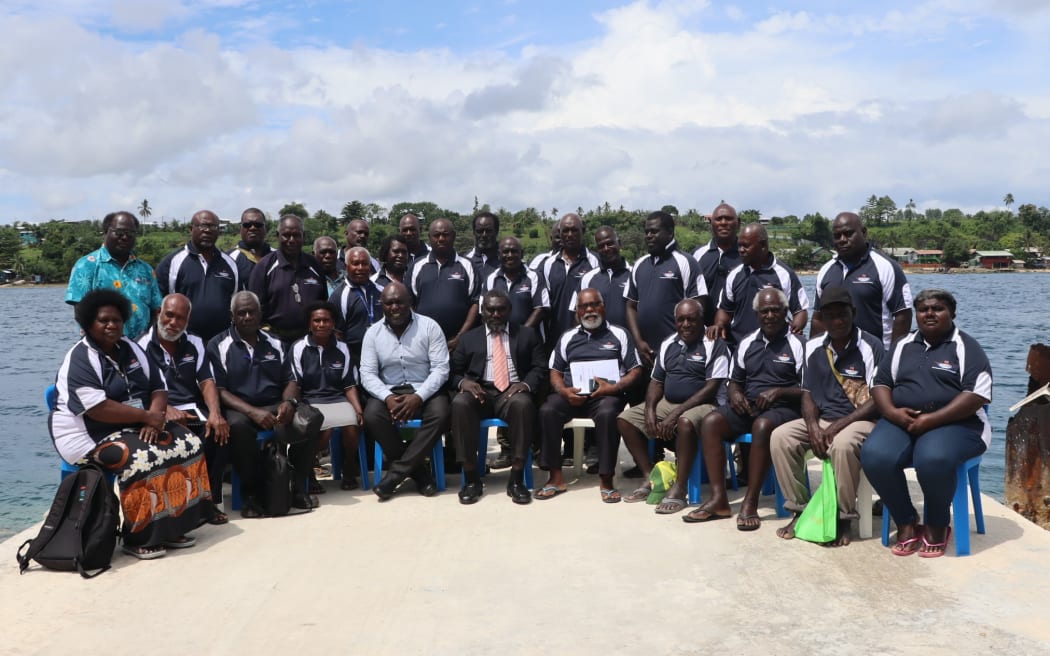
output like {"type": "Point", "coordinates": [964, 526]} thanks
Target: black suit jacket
{"type": "Point", "coordinates": [526, 350]}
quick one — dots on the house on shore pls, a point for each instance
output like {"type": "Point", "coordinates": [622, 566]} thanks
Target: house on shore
{"type": "Point", "coordinates": [994, 259]}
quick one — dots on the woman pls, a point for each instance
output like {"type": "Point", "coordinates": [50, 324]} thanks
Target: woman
{"type": "Point", "coordinates": [393, 255]}
{"type": "Point", "coordinates": [110, 411]}
{"type": "Point", "coordinates": [931, 391]}
{"type": "Point", "coordinates": [324, 370]}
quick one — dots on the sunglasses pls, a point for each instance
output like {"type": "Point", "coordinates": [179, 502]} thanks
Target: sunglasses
{"type": "Point", "coordinates": [252, 224]}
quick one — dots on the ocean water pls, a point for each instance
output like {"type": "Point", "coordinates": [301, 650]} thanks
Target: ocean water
{"type": "Point", "coordinates": [1005, 312]}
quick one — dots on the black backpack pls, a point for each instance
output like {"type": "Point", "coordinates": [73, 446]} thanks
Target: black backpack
{"type": "Point", "coordinates": [80, 531]}
{"type": "Point", "coordinates": [277, 480]}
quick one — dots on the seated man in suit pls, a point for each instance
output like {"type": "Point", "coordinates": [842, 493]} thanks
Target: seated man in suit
{"type": "Point", "coordinates": [496, 370]}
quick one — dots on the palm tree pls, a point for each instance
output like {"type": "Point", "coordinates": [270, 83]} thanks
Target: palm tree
{"type": "Point", "coordinates": [144, 209]}
{"type": "Point", "coordinates": [1008, 200]}
{"type": "Point", "coordinates": [909, 209]}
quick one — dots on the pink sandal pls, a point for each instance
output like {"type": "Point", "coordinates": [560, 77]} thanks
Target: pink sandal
{"type": "Point", "coordinates": [941, 546]}
{"type": "Point", "coordinates": [911, 545]}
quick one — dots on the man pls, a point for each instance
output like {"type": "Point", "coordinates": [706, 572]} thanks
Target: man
{"type": "Point", "coordinates": [404, 366]}
{"type": "Point", "coordinates": [326, 252]}
{"type": "Point", "coordinates": [758, 269]}
{"type": "Point", "coordinates": [286, 281]}
{"type": "Point", "coordinates": [193, 399]}
{"type": "Point", "coordinates": [497, 368]}
{"type": "Point", "coordinates": [876, 283]}
{"type": "Point", "coordinates": [658, 281]}
{"type": "Point", "coordinates": [718, 257]}
{"type": "Point", "coordinates": [561, 273]}
{"type": "Point", "coordinates": [688, 372]}
{"type": "Point", "coordinates": [358, 301]}
{"type": "Point", "coordinates": [258, 392]}
{"type": "Point", "coordinates": [763, 393]}
{"type": "Point", "coordinates": [444, 286]}
{"type": "Point", "coordinates": [485, 254]}
{"type": "Point", "coordinates": [529, 300]}
{"type": "Point", "coordinates": [409, 228]}
{"type": "Point", "coordinates": [596, 346]}
{"type": "Point", "coordinates": [357, 232]}
{"type": "Point", "coordinates": [204, 274]}
{"type": "Point", "coordinates": [394, 259]}
{"type": "Point", "coordinates": [253, 244]}
{"type": "Point", "coordinates": [611, 277]}
{"type": "Point", "coordinates": [835, 421]}
{"type": "Point", "coordinates": [115, 266]}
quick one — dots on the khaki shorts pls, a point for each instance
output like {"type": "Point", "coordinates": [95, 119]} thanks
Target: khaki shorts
{"type": "Point", "coordinates": [635, 415]}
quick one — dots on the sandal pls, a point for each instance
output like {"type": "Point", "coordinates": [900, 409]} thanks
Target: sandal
{"type": "Point", "coordinates": [641, 494]}
{"type": "Point", "coordinates": [610, 496]}
{"type": "Point", "coordinates": [669, 506]}
{"type": "Point", "coordinates": [219, 518]}
{"type": "Point", "coordinates": [940, 547]}
{"type": "Point", "coordinates": [181, 542]}
{"type": "Point", "coordinates": [144, 553]}
{"type": "Point", "coordinates": [548, 492]}
{"type": "Point", "coordinates": [911, 545]}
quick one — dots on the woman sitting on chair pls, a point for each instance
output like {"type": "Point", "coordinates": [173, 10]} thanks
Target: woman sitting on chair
{"type": "Point", "coordinates": [324, 369]}
{"type": "Point", "coordinates": [110, 411]}
{"type": "Point", "coordinates": [930, 389]}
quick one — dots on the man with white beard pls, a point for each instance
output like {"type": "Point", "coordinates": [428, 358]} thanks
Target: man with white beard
{"type": "Point", "coordinates": [193, 399]}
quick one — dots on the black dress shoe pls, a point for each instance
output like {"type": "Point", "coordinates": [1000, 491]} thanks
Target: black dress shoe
{"type": "Point", "coordinates": [385, 489]}
{"type": "Point", "coordinates": [305, 501]}
{"type": "Point", "coordinates": [470, 493]}
{"type": "Point", "coordinates": [518, 493]}
{"type": "Point", "coordinates": [425, 482]}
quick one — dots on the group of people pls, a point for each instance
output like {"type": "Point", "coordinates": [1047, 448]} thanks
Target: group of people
{"type": "Point", "coordinates": [178, 371]}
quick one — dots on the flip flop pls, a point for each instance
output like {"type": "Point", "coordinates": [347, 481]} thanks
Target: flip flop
{"type": "Point", "coordinates": [695, 517]}
{"type": "Point", "coordinates": [909, 546]}
{"type": "Point", "coordinates": [943, 546]}
{"type": "Point", "coordinates": [181, 542]}
{"type": "Point", "coordinates": [144, 553]}
{"type": "Point", "coordinates": [741, 526]}
{"type": "Point", "coordinates": [219, 518]}
{"type": "Point", "coordinates": [641, 494]}
{"type": "Point", "coordinates": [669, 506]}
{"type": "Point", "coordinates": [548, 492]}
{"type": "Point", "coordinates": [610, 496]}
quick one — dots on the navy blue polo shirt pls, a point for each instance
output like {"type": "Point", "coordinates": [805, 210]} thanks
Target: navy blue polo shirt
{"type": "Point", "coordinates": [563, 280]}
{"type": "Point", "coordinates": [526, 291]}
{"type": "Point", "coordinates": [612, 282]}
{"type": "Point", "coordinates": [762, 364]}
{"type": "Point", "coordinates": [257, 376]}
{"type": "Point", "coordinates": [858, 361]}
{"type": "Point", "coordinates": [285, 289]}
{"type": "Point", "coordinates": [246, 260]}
{"type": "Point", "coordinates": [208, 285]}
{"type": "Point", "coordinates": [609, 342]}
{"type": "Point", "coordinates": [381, 278]}
{"type": "Point", "coordinates": [183, 372]}
{"type": "Point", "coordinates": [483, 264]}
{"type": "Point", "coordinates": [658, 282]}
{"type": "Point", "coordinates": [927, 378]}
{"type": "Point", "coordinates": [323, 373]}
{"type": "Point", "coordinates": [715, 265]}
{"type": "Point", "coordinates": [443, 292]}
{"type": "Point", "coordinates": [877, 286]}
{"type": "Point", "coordinates": [744, 282]}
{"type": "Point", "coordinates": [359, 307]}
{"type": "Point", "coordinates": [684, 368]}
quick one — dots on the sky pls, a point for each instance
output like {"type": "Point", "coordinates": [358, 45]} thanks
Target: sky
{"type": "Point", "coordinates": [784, 107]}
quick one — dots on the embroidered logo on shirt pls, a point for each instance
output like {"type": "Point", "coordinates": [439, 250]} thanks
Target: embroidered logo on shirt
{"type": "Point", "coordinates": [863, 279]}
{"type": "Point", "coordinates": [455, 275]}
{"type": "Point", "coordinates": [133, 365]}
{"type": "Point", "coordinates": [785, 358]}
{"type": "Point", "coordinates": [608, 346]}
{"type": "Point", "coordinates": [311, 281]}
{"type": "Point", "coordinates": [269, 357]}
{"type": "Point", "coordinates": [945, 365]}
{"type": "Point", "coordinates": [223, 274]}
{"type": "Point", "coordinates": [189, 357]}
{"type": "Point", "coordinates": [696, 357]}
{"type": "Point", "coordinates": [851, 371]}
{"type": "Point", "coordinates": [669, 275]}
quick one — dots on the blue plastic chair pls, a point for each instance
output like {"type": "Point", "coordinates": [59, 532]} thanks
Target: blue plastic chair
{"type": "Point", "coordinates": [437, 457]}
{"type": "Point", "coordinates": [483, 447]}
{"type": "Point", "coordinates": [698, 475]}
{"type": "Point", "coordinates": [335, 447]}
{"type": "Point", "coordinates": [968, 474]}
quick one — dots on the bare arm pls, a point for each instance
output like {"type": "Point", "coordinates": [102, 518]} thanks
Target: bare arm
{"type": "Point", "coordinates": [644, 349]}
{"type": "Point", "coordinates": [901, 324]}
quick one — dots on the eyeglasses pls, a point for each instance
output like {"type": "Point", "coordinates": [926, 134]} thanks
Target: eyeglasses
{"type": "Point", "coordinates": [214, 227]}
{"type": "Point", "coordinates": [252, 224]}
{"type": "Point", "coordinates": [122, 234]}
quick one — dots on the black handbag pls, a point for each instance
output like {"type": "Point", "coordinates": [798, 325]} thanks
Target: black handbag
{"type": "Point", "coordinates": [277, 481]}
{"type": "Point", "coordinates": [305, 424]}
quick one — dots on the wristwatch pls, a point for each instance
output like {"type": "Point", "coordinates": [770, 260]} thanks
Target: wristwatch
{"type": "Point", "coordinates": [294, 401]}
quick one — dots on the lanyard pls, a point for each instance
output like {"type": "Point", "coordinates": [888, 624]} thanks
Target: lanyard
{"type": "Point", "coordinates": [363, 295]}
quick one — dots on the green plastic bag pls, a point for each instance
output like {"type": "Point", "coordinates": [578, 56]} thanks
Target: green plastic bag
{"type": "Point", "coordinates": [819, 521]}
{"type": "Point", "coordinates": [661, 479]}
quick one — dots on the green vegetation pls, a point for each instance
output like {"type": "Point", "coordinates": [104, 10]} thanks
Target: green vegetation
{"type": "Point", "coordinates": [803, 243]}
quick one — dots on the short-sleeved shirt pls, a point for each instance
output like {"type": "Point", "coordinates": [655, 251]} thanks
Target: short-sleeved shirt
{"type": "Point", "coordinates": [927, 378]}
{"type": "Point", "coordinates": [323, 373]}
{"type": "Point", "coordinates": [858, 361]}
{"type": "Point", "coordinates": [761, 364]}
{"type": "Point", "coordinates": [443, 292]}
{"type": "Point", "coordinates": [877, 286]}
{"type": "Point", "coordinates": [563, 280]}
{"type": "Point", "coordinates": [607, 343]}
{"type": "Point", "coordinates": [184, 371]}
{"type": "Point", "coordinates": [658, 283]}
{"type": "Point", "coordinates": [87, 378]}
{"type": "Point", "coordinates": [483, 264]}
{"type": "Point", "coordinates": [136, 280]}
{"type": "Point", "coordinates": [246, 259]}
{"type": "Point", "coordinates": [612, 282]}
{"type": "Point", "coordinates": [359, 307]}
{"type": "Point", "coordinates": [684, 368]}
{"type": "Point", "coordinates": [715, 265]}
{"type": "Point", "coordinates": [526, 291]}
{"type": "Point", "coordinates": [381, 278]}
{"type": "Point", "coordinates": [208, 285]}
{"type": "Point", "coordinates": [285, 289]}
{"type": "Point", "coordinates": [744, 282]}
{"type": "Point", "coordinates": [255, 375]}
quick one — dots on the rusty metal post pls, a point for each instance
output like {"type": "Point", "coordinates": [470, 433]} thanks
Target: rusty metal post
{"type": "Point", "coordinates": [1028, 447]}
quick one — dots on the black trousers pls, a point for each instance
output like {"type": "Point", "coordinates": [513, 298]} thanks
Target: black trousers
{"type": "Point", "coordinates": [245, 454]}
{"type": "Point", "coordinates": [405, 458]}
{"type": "Point", "coordinates": [555, 411]}
{"type": "Point", "coordinates": [519, 411]}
